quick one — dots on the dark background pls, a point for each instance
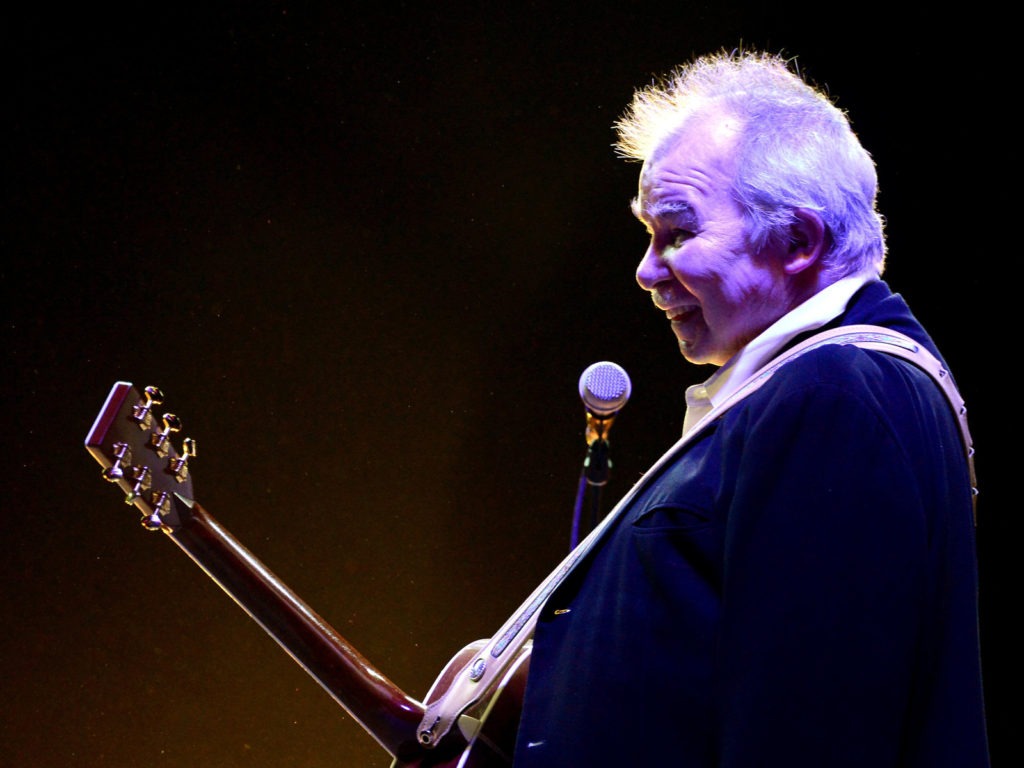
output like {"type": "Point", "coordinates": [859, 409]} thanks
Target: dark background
{"type": "Point", "coordinates": [367, 251]}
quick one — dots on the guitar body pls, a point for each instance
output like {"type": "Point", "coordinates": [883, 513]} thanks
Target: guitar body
{"type": "Point", "coordinates": [134, 447]}
{"type": "Point", "coordinates": [498, 713]}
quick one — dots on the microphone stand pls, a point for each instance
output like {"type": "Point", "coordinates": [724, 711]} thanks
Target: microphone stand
{"type": "Point", "coordinates": [593, 478]}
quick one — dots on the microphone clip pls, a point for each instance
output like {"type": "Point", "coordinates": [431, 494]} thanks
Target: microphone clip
{"type": "Point", "coordinates": [597, 465]}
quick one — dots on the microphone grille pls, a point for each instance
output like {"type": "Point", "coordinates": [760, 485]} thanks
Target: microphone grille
{"type": "Point", "coordinates": [604, 387]}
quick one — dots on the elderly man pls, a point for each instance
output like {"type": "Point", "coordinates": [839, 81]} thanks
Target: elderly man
{"type": "Point", "coordinates": [795, 583]}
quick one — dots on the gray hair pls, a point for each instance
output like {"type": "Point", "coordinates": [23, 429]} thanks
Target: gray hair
{"type": "Point", "coordinates": [796, 150]}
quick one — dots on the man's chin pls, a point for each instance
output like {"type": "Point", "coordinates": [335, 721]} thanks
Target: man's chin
{"type": "Point", "coordinates": [692, 354]}
{"type": "Point", "coordinates": [696, 353]}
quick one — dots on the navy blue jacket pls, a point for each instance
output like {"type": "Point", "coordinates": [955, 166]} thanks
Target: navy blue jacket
{"type": "Point", "coordinates": [797, 589]}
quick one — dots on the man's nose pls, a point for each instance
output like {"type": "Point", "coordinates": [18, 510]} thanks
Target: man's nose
{"type": "Point", "coordinates": [652, 269]}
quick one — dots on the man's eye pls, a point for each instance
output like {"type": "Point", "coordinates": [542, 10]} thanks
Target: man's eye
{"type": "Point", "coordinates": [677, 237]}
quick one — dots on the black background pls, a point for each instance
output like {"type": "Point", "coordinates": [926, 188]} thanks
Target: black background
{"type": "Point", "coordinates": [366, 251]}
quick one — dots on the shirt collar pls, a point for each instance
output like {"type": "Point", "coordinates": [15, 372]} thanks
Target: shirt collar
{"type": "Point", "coordinates": [818, 310]}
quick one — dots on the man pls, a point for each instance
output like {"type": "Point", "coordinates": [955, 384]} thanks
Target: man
{"type": "Point", "coordinates": [795, 584]}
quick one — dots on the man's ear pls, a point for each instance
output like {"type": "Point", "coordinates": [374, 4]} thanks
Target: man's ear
{"type": "Point", "coordinates": [808, 240]}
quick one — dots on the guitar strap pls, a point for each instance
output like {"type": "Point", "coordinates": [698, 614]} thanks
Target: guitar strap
{"type": "Point", "coordinates": [487, 666]}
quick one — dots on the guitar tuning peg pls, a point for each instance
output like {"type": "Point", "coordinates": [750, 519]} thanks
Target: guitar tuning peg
{"type": "Point", "coordinates": [161, 514]}
{"type": "Point", "coordinates": [158, 441]}
{"type": "Point", "coordinates": [122, 457]}
{"type": "Point", "coordinates": [143, 480]}
{"type": "Point", "coordinates": [179, 466]}
{"type": "Point", "coordinates": [152, 522]}
{"type": "Point", "coordinates": [142, 412]}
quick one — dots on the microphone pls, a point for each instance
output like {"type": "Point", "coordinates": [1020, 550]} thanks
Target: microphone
{"type": "Point", "coordinates": [604, 388]}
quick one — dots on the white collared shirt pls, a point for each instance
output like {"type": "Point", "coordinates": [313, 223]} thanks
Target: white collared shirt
{"type": "Point", "coordinates": [813, 313]}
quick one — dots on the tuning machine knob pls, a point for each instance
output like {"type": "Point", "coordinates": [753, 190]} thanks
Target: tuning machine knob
{"type": "Point", "coordinates": [122, 457]}
{"type": "Point", "coordinates": [142, 413]}
{"type": "Point", "coordinates": [179, 466]}
{"type": "Point", "coordinates": [158, 441]}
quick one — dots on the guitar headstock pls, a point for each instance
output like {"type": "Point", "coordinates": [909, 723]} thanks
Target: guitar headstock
{"type": "Point", "coordinates": [132, 442]}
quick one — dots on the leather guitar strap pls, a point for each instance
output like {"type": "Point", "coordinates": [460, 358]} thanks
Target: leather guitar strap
{"type": "Point", "coordinates": [479, 676]}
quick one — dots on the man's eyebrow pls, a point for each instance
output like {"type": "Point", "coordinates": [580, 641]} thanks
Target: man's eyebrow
{"type": "Point", "coordinates": [660, 209]}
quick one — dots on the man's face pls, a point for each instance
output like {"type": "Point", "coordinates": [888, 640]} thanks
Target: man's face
{"type": "Point", "coordinates": [716, 292]}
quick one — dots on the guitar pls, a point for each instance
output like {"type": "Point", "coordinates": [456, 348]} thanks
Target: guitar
{"type": "Point", "coordinates": [470, 715]}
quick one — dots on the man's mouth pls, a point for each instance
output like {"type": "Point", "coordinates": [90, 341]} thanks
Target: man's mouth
{"type": "Point", "coordinates": [681, 314]}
